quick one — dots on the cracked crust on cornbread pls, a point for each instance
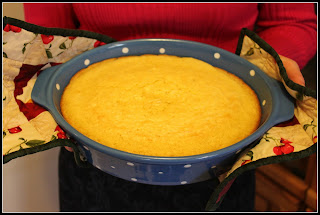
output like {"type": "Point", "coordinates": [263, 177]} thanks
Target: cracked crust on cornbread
{"type": "Point", "coordinates": [160, 105]}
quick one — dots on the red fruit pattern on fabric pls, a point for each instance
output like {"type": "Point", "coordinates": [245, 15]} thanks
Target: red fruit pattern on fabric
{"type": "Point", "coordinates": [46, 39]}
{"type": "Point", "coordinates": [15, 130]}
{"type": "Point", "coordinates": [98, 43]}
{"type": "Point", "coordinates": [61, 134]}
{"type": "Point", "coordinates": [277, 150]}
{"type": "Point", "coordinates": [287, 148]}
{"type": "Point", "coordinates": [315, 139]}
{"type": "Point", "coordinates": [59, 129]}
{"type": "Point", "coordinates": [283, 148]}
{"type": "Point", "coordinates": [7, 28]}
{"type": "Point", "coordinates": [13, 28]}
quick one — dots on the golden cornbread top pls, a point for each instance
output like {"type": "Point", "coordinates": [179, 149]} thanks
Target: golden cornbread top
{"type": "Point", "coordinates": [160, 105]}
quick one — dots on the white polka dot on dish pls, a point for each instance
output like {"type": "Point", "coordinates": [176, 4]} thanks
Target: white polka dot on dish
{"type": "Point", "coordinates": [86, 62]}
{"type": "Point", "coordinates": [264, 102]}
{"type": "Point", "coordinates": [130, 164]}
{"type": "Point", "coordinates": [125, 50]}
{"type": "Point", "coordinates": [162, 50]}
{"type": "Point", "coordinates": [252, 72]}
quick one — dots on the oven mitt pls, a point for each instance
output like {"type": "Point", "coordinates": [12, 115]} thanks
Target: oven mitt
{"type": "Point", "coordinates": [28, 128]}
{"type": "Point", "coordinates": [294, 139]}
{"type": "Point", "coordinates": [27, 50]}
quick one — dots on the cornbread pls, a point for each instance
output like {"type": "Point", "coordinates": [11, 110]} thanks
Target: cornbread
{"type": "Point", "coordinates": [160, 105]}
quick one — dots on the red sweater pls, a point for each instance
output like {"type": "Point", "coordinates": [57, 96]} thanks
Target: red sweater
{"type": "Point", "coordinates": [291, 29]}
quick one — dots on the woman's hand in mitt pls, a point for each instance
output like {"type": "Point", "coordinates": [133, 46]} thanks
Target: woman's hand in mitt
{"type": "Point", "coordinates": [293, 70]}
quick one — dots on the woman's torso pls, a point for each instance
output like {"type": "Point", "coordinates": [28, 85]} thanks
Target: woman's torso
{"type": "Point", "coordinates": [217, 24]}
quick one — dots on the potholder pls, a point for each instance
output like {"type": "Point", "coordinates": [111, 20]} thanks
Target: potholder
{"type": "Point", "coordinates": [28, 128]}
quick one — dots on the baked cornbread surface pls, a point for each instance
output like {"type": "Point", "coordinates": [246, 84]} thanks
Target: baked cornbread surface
{"type": "Point", "coordinates": [160, 105]}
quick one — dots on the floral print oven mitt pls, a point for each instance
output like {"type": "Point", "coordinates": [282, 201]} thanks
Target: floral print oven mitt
{"type": "Point", "coordinates": [28, 128]}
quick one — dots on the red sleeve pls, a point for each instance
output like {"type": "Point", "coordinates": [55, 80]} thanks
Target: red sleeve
{"type": "Point", "coordinates": [60, 15]}
{"type": "Point", "coordinates": [291, 29]}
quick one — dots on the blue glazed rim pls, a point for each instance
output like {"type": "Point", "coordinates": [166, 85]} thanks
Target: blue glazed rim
{"type": "Point", "coordinates": [281, 111]}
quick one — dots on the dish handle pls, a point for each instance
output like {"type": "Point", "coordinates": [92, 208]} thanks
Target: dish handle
{"type": "Point", "coordinates": [284, 106]}
{"type": "Point", "coordinates": [40, 94]}
{"type": "Point", "coordinates": [41, 90]}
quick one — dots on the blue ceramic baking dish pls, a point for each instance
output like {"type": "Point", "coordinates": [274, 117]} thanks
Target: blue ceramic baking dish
{"type": "Point", "coordinates": [276, 104]}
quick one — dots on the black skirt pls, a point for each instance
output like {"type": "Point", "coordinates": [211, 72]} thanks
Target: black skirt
{"type": "Point", "coordinates": [90, 189]}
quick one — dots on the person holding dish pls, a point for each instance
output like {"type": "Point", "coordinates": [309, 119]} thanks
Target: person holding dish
{"type": "Point", "coordinates": [289, 28]}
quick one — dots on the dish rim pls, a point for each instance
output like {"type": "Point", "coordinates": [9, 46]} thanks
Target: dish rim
{"type": "Point", "coordinates": [235, 148]}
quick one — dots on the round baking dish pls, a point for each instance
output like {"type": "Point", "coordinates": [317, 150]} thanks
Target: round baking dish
{"type": "Point", "coordinates": [276, 104]}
